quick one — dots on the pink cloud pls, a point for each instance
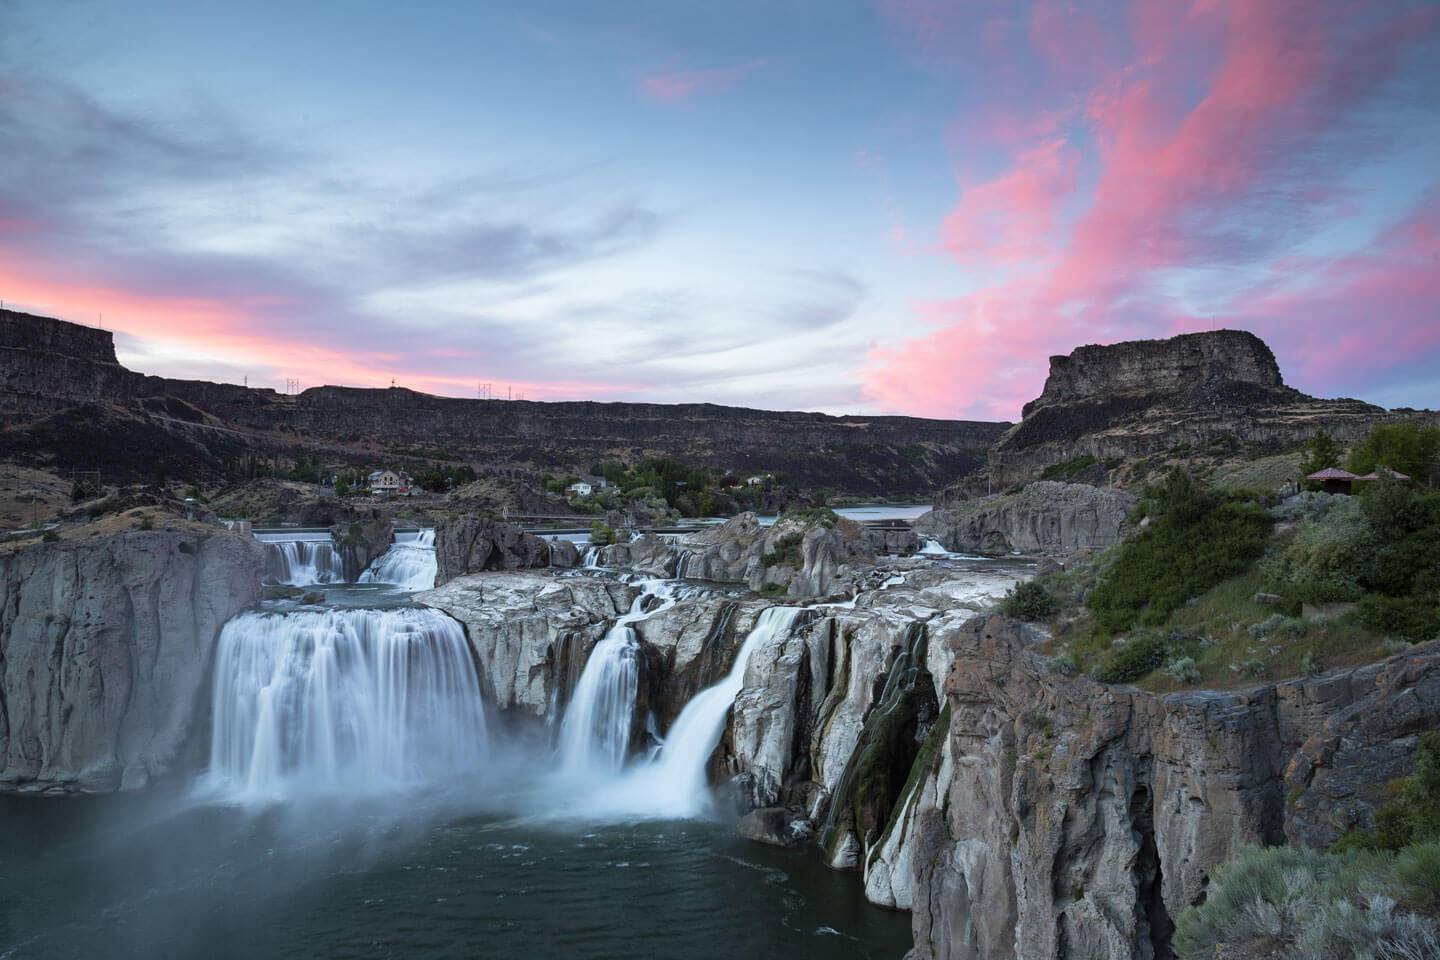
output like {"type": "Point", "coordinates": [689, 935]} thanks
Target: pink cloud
{"type": "Point", "coordinates": [678, 86]}
{"type": "Point", "coordinates": [1209, 146]}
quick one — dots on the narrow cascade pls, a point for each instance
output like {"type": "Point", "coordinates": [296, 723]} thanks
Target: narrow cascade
{"type": "Point", "coordinates": [592, 558]}
{"type": "Point", "coordinates": [679, 771]}
{"type": "Point", "coordinates": [409, 563]}
{"type": "Point", "coordinates": [348, 702]}
{"type": "Point", "coordinates": [301, 563]}
{"type": "Point", "coordinates": [933, 548]}
{"type": "Point", "coordinates": [595, 733]}
{"type": "Point", "coordinates": [675, 783]}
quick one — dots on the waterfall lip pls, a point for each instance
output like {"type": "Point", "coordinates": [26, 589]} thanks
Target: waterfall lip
{"type": "Point", "coordinates": [409, 564]}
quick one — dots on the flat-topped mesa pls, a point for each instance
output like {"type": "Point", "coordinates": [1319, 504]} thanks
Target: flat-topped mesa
{"type": "Point", "coordinates": [1182, 364]}
{"type": "Point", "coordinates": [25, 331]}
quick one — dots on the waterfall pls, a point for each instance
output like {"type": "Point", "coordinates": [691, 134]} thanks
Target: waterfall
{"type": "Point", "coordinates": [677, 780]}
{"type": "Point", "coordinates": [345, 702]}
{"type": "Point", "coordinates": [592, 558]}
{"type": "Point", "coordinates": [409, 563]}
{"type": "Point", "coordinates": [674, 783]}
{"type": "Point", "coordinates": [933, 548]}
{"type": "Point", "coordinates": [595, 732]}
{"type": "Point", "coordinates": [300, 563]}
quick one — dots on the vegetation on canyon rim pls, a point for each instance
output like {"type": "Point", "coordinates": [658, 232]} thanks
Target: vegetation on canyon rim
{"type": "Point", "coordinates": [1210, 587]}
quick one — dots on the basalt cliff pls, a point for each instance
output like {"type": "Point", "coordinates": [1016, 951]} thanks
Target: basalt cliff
{"type": "Point", "coordinates": [1218, 393]}
{"type": "Point", "coordinates": [68, 403]}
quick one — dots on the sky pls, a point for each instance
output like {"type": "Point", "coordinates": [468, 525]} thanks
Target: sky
{"type": "Point", "coordinates": [902, 206]}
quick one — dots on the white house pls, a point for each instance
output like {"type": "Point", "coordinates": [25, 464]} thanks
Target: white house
{"type": "Point", "coordinates": [390, 481]}
{"type": "Point", "coordinates": [581, 489]}
{"type": "Point", "coordinates": [756, 480]}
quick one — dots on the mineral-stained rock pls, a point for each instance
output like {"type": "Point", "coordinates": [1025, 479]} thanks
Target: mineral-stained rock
{"type": "Point", "coordinates": [776, 826]}
{"type": "Point", "coordinates": [105, 652]}
{"type": "Point", "coordinates": [1043, 518]}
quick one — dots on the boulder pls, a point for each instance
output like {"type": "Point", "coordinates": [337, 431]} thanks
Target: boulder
{"type": "Point", "coordinates": [470, 544]}
{"type": "Point", "coordinates": [1045, 517]}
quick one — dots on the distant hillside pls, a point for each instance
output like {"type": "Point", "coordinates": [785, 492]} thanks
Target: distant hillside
{"type": "Point", "coordinates": [69, 404]}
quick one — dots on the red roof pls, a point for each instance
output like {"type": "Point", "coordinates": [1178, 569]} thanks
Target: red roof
{"type": "Point", "coordinates": [1384, 472]}
{"type": "Point", "coordinates": [1330, 473]}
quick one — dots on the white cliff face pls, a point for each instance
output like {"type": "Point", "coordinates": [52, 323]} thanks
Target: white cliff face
{"type": "Point", "coordinates": [106, 648]}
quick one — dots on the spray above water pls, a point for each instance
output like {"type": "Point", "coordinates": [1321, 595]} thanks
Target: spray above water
{"type": "Point", "coordinates": [350, 702]}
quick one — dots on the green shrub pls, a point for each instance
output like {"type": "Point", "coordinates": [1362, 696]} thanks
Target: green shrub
{"type": "Point", "coordinates": [1195, 539]}
{"type": "Point", "coordinates": [1417, 871]}
{"type": "Point", "coordinates": [1411, 448]}
{"type": "Point", "coordinates": [1028, 600]}
{"type": "Point", "coordinates": [601, 534]}
{"type": "Point", "coordinates": [50, 536]}
{"type": "Point", "coordinates": [1068, 469]}
{"type": "Point", "coordinates": [787, 552]}
{"type": "Point", "coordinates": [145, 524]}
{"type": "Point", "coordinates": [1278, 627]}
{"type": "Point", "coordinates": [1143, 652]}
{"type": "Point", "coordinates": [1183, 670]}
{"type": "Point", "coordinates": [824, 516]}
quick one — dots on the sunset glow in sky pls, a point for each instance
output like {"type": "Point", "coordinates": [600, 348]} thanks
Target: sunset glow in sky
{"type": "Point", "coordinates": [893, 207]}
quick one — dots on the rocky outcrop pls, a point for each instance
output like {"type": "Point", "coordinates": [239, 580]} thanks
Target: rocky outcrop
{"type": "Point", "coordinates": [796, 557]}
{"type": "Point", "coordinates": [1072, 820]}
{"type": "Point", "coordinates": [48, 367]}
{"type": "Point", "coordinates": [1217, 394]}
{"type": "Point", "coordinates": [1044, 517]}
{"type": "Point", "coordinates": [361, 542]}
{"type": "Point", "coordinates": [470, 544]}
{"type": "Point", "coordinates": [105, 653]}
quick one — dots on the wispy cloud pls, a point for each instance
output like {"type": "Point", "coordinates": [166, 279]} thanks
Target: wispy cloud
{"type": "Point", "coordinates": [678, 86]}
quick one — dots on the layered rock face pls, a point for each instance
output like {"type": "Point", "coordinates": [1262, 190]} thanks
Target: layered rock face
{"type": "Point", "coordinates": [1219, 391]}
{"type": "Point", "coordinates": [105, 653]}
{"type": "Point", "coordinates": [1061, 818]}
{"type": "Point", "coordinates": [48, 368]}
{"type": "Point", "coordinates": [1043, 518]}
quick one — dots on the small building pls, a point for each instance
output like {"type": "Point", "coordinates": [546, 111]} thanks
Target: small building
{"type": "Point", "coordinates": [579, 489]}
{"type": "Point", "coordinates": [756, 480]}
{"type": "Point", "coordinates": [596, 483]}
{"type": "Point", "coordinates": [1334, 480]}
{"type": "Point", "coordinates": [395, 482]}
{"type": "Point", "coordinates": [1382, 473]}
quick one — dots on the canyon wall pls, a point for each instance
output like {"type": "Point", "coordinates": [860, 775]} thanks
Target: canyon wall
{"type": "Point", "coordinates": [105, 653]}
{"type": "Point", "coordinates": [1044, 517]}
{"type": "Point", "coordinates": [49, 369]}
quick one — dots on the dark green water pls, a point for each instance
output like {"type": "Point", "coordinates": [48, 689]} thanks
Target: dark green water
{"type": "Point", "coordinates": [139, 876]}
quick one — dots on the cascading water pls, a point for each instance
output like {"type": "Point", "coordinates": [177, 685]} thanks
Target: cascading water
{"type": "Point", "coordinates": [343, 702]}
{"type": "Point", "coordinates": [592, 558]}
{"type": "Point", "coordinates": [595, 733]}
{"type": "Point", "coordinates": [301, 563]}
{"type": "Point", "coordinates": [409, 563]}
{"type": "Point", "coordinates": [674, 782]}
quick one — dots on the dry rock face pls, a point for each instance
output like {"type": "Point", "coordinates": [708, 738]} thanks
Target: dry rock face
{"type": "Point", "coordinates": [470, 544]}
{"type": "Point", "coordinates": [1220, 390]}
{"type": "Point", "coordinates": [1043, 518]}
{"type": "Point", "coordinates": [1067, 819]}
{"type": "Point", "coordinates": [105, 653]}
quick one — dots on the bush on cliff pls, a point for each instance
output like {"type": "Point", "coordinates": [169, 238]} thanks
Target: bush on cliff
{"type": "Point", "coordinates": [1379, 548]}
{"type": "Point", "coordinates": [1028, 600]}
{"type": "Point", "coordinates": [1192, 539]}
{"type": "Point", "coordinates": [787, 552]}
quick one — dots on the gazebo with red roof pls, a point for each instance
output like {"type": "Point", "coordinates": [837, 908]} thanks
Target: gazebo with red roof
{"type": "Point", "coordinates": [1334, 480]}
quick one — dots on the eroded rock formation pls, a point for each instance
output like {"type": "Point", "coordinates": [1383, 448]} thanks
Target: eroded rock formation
{"type": "Point", "coordinates": [105, 653]}
{"type": "Point", "coordinates": [1043, 518]}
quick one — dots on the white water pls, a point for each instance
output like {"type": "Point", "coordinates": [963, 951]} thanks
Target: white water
{"type": "Point", "coordinates": [409, 563]}
{"type": "Point", "coordinates": [301, 563]}
{"type": "Point", "coordinates": [592, 558]}
{"type": "Point", "coordinates": [595, 733]}
{"type": "Point", "coordinates": [343, 702]}
{"type": "Point", "coordinates": [674, 783]}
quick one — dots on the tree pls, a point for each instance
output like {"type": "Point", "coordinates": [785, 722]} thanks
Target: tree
{"type": "Point", "coordinates": [342, 488]}
{"type": "Point", "coordinates": [1411, 448]}
{"type": "Point", "coordinates": [1321, 452]}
